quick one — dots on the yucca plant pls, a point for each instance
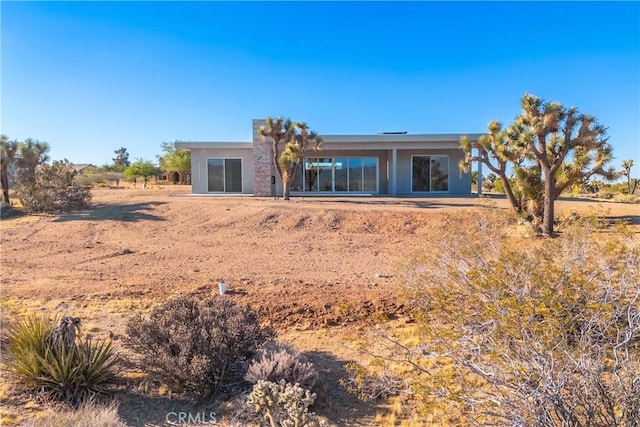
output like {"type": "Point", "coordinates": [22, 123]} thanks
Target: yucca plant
{"type": "Point", "coordinates": [27, 340]}
{"type": "Point", "coordinates": [72, 373]}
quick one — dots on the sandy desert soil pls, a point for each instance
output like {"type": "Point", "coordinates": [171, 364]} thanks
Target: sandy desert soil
{"type": "Point", "coordinates": [311, 266]}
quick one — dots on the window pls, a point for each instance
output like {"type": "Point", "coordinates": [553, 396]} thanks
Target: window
{"type": "Point", "coordinates": [354, 174]}
{"type": "Point", "coordinates": [224, 175]}
{"type": "Point", "coordinates": [429, 173]}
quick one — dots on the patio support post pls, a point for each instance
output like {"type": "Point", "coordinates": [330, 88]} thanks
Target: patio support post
{"type": "Point", "coordinates": [479, 176]}
{"type": "Point", "coordinates": [394, 172]}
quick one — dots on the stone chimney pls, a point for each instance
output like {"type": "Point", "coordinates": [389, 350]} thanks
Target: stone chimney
{"type": "Point", "coordinates": [262, 164]}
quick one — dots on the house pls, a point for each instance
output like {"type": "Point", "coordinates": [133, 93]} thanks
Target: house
{"type": "Point", "coordinates": [394, 164]}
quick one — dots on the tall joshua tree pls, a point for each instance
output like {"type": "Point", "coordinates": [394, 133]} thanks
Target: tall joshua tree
{"type": "Point", "coordinates": [550, 148]}
{"type": "Point", "coordinates": [626, 172]}
{"type": "Point", "coordinates": [290, 143]}
{"type": "Point", "coordinates": [8, 154]}
{"type": "Point", "coordinates": [33, 153]}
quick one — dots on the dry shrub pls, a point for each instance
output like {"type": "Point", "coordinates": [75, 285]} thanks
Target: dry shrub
{"type": "Point", "coordinates": [199, 349]}
{"type": "Point", "coordinates": [50, 189]}
{"type": "Point", "coordinates": [539, 332]}
{"type": "Point", "coordinates": [88, 415]}
{"type": "Point", "coordinates": [278, 362]}
{"type": "Point", "coordinates": [369, 385]}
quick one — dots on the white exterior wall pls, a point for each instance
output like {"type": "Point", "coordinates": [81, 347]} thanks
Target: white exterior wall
{"type": "Point", "coordinates": [199, 158]}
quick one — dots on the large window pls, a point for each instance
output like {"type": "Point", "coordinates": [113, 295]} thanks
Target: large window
{"type": "Point", "coordinates": [429, 173]}
{"type": "Point", "coordinates": [341, 174]}
{"type": "Point", "coordinates": [224, 175]}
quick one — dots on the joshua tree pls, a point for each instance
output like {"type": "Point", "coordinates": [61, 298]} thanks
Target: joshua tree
{"type": "Point", "coordinates": [550, 148]}
{"type": "Point", "coordinates": [8, 151]}
{"type": "Point", "coordinates": [290, 142]}
{"type": "Point", "coordinates": [32, 153]}
{"type": "Point", "coordinates": [626, 172]}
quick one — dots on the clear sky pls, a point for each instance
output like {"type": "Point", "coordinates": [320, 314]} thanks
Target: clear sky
{"type": "Point", "coordinates": [90, 77]}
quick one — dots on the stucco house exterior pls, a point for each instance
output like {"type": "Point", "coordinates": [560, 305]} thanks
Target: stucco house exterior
{"type": "Point", "coordinates": [393, 164]}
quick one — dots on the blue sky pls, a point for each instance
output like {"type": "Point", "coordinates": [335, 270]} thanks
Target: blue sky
{"type": "Point", "coordinates": [90, 77]}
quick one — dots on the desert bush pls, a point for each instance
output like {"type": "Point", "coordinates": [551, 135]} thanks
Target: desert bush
{"type": "Point", "coordinates": [87, 415]}
{"type": "Point", "coordinates": [283, 404]}
{"type": "Point", "coordinates": [277, 362]}
{"type": "Point", "coordinates": [94, 179]}
{"type": "Point", "coordinates": [604, 194]}
{"type": "Point", "coordinates": [626, 198]}
{"type": "Point", "coordinates": [368, 385]}
{"type": "Point", "coordinates": [60, 365]}
{"type": "Point", "coordinates": [197, 348]}
{"type": "Point", "coordinates": [543, 334]}
{"type": "Point", "coordinates": [49, 189]}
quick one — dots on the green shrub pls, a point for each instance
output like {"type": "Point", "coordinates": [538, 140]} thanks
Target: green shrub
{"type": "Point", "coordinates": [72, 372]}
{"type": "Point", "coordinates": [197, 348]}
{"type": "Point", "coordinates": [281, 362]}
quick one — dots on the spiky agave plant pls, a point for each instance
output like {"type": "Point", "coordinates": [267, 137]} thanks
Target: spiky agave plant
{"type": "Point", "coordinates": [72, 372]}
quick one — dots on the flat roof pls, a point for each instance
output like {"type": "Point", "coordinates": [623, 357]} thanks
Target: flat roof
{"type": "Point", "coordinates": [213, 144]}
{"type": "Point", "coordinates": [409, 137]}
{"type": "Point", "coordinates": [379, 140]}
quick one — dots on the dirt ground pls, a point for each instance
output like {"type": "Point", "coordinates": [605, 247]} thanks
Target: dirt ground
{"type": "Point", "coordinates": [311, 267]}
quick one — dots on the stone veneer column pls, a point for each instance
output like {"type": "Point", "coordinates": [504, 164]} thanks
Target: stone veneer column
{"type": "Point", "coordinates": [261, 161]}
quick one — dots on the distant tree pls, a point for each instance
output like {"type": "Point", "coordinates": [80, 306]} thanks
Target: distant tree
{"type": "Point", "coordinates": [175, 160]}
{"type": "Point", "coordinates": [121, 161]}
{"type": "Point", "coordinates": [632, 184]}
{"type": "Point", "coordinates": [97, 175]}
{"type": "Point", "coordinates": [141, 169]}
{"type": "Point", "coordinates": [489, 181]}
{"type": "Point", "coordinates": [290, 143]}
{"type": "Point", "coordinates": [32, 153]}
{"type": "Point", "coordinates": [550, 148]}
{"type": "Point", "coordinates": [8, 154]}
{"type": "Point", "coordinates": [474, 177]}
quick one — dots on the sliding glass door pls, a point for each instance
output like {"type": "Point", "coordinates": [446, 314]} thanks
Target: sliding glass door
{"type": "Point", "coordinates": [429, 173]}
{"type": "Point", "coordinates": [224, 175]}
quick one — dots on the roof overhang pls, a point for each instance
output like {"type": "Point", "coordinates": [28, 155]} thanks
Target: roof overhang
{"type": "Point", "coordinates": [395, 141]}
{"type": "Point", "coordinates": [190, 145]}
{"type": "Point", "coordinates": [358, 142]}
{"type": "Point", "coordinates": [400, 138]}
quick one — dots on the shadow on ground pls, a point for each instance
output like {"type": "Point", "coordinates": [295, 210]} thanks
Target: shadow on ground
{"type": "Point", "coordinates": [624, 219]}
{"type": "Point", "coordinates": [399, 202]}
{"type": "Point", "coordinates": [133, 212]}
{"type": "Point", "coordinates": [333, 401]}
{"type": "Point", "coordinates": [142, 411]}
